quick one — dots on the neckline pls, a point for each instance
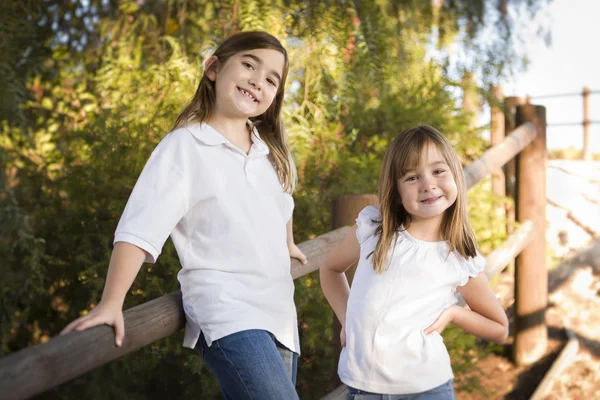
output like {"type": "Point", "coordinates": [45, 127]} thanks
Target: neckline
{"type": "Point", "coordinates": [212, 137]}
{"type": "Point", "coordinates": [411, 238]}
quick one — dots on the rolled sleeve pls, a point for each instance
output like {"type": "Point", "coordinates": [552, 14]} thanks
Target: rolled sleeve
{"type": "Point", "coordinates": [157, 203]}
{"type": "Point", "coordinates": [152, 252]}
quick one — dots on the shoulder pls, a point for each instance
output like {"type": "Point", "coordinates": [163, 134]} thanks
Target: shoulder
{"type": "Point", "coordinates": [369, 212]}
{"type": "Point", "coordinates": [178, 139]}
{"type": "Point", "coordinates": [366, 223]}
{"type": "Point", "coordinates": [183, 135]}
{"type": "Point", "coordinates": [469, 267]}
{"type": "Point", "coordinates": [177, 149]}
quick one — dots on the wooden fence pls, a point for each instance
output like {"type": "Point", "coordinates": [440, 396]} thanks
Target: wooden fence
{"type": "Point", "coordinates": [586, 122]}
{"type": "Point", "coordinates": [33, 370]}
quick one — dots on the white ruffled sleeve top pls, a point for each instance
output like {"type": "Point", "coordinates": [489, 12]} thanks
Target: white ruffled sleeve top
{"type": "Point", "coordinates": [386, 350]}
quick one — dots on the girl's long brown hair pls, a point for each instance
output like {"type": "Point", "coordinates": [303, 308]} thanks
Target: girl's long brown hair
{"type": "Point", "coordinates": [269, 124]}
{"type": "Point", "coordinates": [403, 155]}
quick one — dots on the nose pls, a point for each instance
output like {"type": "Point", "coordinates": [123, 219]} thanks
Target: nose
{"type": "Point", "coordinates": [255, 82]}
{"type": "Point", "coordinates": [427, 184]}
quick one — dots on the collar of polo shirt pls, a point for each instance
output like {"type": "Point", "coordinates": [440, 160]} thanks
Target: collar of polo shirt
{"type": "Point", "coordinates": [211, 137]}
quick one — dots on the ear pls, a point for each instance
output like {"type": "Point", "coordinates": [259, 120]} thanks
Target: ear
{"type": "Point", "coordinates": [210, 68]}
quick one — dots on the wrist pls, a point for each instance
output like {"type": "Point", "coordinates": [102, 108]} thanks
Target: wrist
{"type": "Point", "coordinates": [112, 303]}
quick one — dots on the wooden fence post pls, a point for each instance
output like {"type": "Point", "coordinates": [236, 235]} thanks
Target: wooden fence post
{"type": "Point", "coordinates": [587, 154]}
{"type": "Point", "coordinates": [496, 137]}
{"type": "Point", "coordinates": [345, 209]}
{"type": "Point", "coordinates": [531, 274]}
{"type": "Point", "coordinates": [510, 168]}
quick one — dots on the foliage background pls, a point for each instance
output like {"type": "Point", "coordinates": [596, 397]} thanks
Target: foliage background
{"type": "Point", "coordinates": [89, 87]}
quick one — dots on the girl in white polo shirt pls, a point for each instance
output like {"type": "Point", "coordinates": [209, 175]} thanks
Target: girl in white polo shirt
{"type": "Point", "coordinates": [219, 184]}
{"type": "Point", "coordinates": [413, 253]}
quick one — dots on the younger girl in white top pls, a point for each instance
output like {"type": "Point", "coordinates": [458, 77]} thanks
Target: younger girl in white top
{"type": "Point", "coordinates": [219, 184]}
{"type": "Point", "coordinates": [413, 253]}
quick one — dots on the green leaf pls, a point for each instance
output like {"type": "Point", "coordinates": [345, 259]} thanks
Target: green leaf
{"type": "Point", "coordinates": [47, 103]}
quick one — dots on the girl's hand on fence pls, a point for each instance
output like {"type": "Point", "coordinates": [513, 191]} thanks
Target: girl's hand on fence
{"type": "Point", "coordinates": [296, 253]}
{"type": "Point", "coordinates": [442, 321]}
{"type": "Point", "coordinates": [99, 315]}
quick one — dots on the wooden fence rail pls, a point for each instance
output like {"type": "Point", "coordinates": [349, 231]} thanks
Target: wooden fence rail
{"type": "Point", "coordinates": [38, 368]}
{"type": "Point", "coordinates": [500, 154]}
{"type": "Point", "coordinates": [35, 369]}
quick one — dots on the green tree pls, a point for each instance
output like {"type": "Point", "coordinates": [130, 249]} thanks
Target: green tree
{"type": "Point", "coordinates": [90, 87]}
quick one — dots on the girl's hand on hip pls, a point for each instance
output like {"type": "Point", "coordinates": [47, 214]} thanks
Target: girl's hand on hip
{"type": "Point", "coordinates": [99, 315]}
{"type": "Point", "coordinates": [440, 323]}
{"type": "Point", "coordinates": [296, 253]}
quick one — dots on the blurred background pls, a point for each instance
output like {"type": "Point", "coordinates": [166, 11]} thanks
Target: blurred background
{"type": "Point", "coordinates": [89, 87]}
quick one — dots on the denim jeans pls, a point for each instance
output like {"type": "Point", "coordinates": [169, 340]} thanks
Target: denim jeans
{"type": "Point", "coordinates": [251, 365]}
{"type": "Point", "coordinates": [443, 392]}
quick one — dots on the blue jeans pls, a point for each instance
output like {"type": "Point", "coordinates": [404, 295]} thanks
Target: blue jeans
{"type": "Point", "coordinates": [251, 365]}
{"type": "Point", "coordinates": [443, 392]}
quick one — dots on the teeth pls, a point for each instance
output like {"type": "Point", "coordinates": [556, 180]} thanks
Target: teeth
{"type": "Point", "coordinates": [247, 94]}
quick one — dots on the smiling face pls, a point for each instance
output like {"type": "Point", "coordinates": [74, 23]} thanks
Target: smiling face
{"type": "Point", "coordinates": [247, 83]}
{"type": "Point", "coordinates": [428, 188]}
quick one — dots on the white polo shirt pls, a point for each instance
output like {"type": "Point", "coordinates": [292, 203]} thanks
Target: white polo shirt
{"type": "Point", "coordinates": [226, 213]}
{"type": "Point", "coordinates": [386, 349]}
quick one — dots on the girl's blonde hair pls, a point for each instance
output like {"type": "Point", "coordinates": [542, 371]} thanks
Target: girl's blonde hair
{"type": "Point", "coordinates": [403, 155]}
{"type": "Point", "coordinates": [269, 124]}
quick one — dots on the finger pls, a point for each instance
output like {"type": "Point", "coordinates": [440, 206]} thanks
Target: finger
{"type": "Point", "coordinates": [299, 256]}
{"type": "Point", "coordinates": [72, 325]}
{"type": "Point", "coordinates": [302, 258]}
{"type": "Point", "coordinates": [119, 331]}
{"type": "Point", "coordinates": [89, 323]}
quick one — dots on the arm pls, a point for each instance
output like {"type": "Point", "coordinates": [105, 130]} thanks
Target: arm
{"type": "Point", "coordinates": [485, 319]}
{"type": "Point", "coordinates": [333, 280]}
{"type": "Point", "coordinates": [294, 251]}
{"type": "Point", "coordinates": [168, 179]}
{"type": "Point", "coordinates": [125, 262]}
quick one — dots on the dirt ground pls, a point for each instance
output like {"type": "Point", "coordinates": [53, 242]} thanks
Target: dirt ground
{"type": "Point", "coordinates": [574, 300]}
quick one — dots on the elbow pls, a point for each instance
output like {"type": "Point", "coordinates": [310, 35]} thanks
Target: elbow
{"type": "Point", "coordinates": [503, 334]}
{"type": "Point", "coordinates": [503, 331]}
{"type": "Point", "coordinates": [497, 330]}
{"type": "Point", "coordinates": [498, 336]}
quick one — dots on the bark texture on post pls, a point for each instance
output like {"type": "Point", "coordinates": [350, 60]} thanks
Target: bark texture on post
{"type": "Point", "coordinates": [344, 212]}
{"type": "Point", "coordinates": [510, 110]}
{"type": "Point", "coordinates": [587, 154]}
{"type": "Point", "coordinates": [510, 168]}
{"type": "Point", "coordinates": [531, 275]}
